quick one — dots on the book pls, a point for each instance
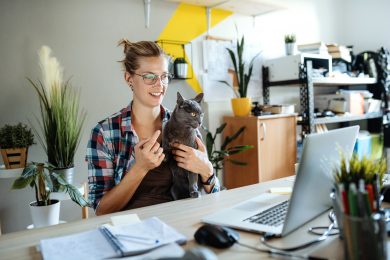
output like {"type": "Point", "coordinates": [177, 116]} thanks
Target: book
{"type": "Point", "coordinates": [112, 241]}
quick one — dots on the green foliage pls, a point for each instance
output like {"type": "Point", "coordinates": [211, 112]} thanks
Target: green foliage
{"type": "Point", "coordinates": [289, 38]}
{"type": "Point", "coordinates": [240, 67]}
{"type": "Point", "coordinates": [39, 176]}
{"type": "Point", "coordinates": [356, 169]}
{"type": "Point", "coordinates": [61, 119]}
{"type": "Point", "coordinates": [217, 157]}
{"type": "Point", "coordinates": [16, 136]}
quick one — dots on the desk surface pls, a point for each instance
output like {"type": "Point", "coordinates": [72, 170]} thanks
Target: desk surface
{"type": "Point", "coordinates": [184, 215]}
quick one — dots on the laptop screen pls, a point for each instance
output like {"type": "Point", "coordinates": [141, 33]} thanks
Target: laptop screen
{"type": "Point", "coordinates": [314, 180]}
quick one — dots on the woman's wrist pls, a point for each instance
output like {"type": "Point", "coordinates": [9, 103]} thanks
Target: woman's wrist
{"type": "Point", "coordinates": [208, 173]}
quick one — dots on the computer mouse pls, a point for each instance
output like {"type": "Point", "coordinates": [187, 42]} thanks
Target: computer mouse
{"type": "Point", "coordinates": [216, 236]}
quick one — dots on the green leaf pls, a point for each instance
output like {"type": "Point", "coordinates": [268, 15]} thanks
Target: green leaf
{"type": "Point", "coordinates": [73, 192]}
{"type": "Point", "coordinates": [21, 182]}
{"type": "Point", "coordinates": [220, 129]}
{"type": "Point", "coordinates": [236, 162]}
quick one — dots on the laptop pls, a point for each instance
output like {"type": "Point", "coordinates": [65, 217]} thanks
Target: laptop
{"type": "Point", "coordinates": [282, 214]}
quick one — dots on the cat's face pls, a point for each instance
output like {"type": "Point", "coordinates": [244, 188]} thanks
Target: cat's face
{"type": "Point", "coordinates": [189, 112]}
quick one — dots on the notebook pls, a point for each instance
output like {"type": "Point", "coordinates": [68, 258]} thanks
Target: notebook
{"type": "Point", "coordinates": [112, 241]}
{"type": "Point", "coordinates": [310, 194]}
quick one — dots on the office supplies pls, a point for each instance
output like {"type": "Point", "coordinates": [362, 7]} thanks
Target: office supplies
{"type": "Point", "coordinates": [352, 200]}
{"type": "Point", "coordinates": [308, 199]}
{"type": "Point", "coordinates": [281, 190]}
{"type": "Point", "coordinates": [106, 241]}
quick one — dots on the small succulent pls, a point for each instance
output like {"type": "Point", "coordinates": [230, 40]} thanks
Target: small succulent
{"type": "Point", "coordinates": [290, 38]}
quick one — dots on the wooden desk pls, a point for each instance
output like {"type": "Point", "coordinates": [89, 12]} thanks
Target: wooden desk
{"type": "Point", "coordinates": [185, 216]}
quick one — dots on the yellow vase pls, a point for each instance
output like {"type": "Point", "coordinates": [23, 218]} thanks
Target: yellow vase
{"type": "Point", "coordinates": [241, 106]}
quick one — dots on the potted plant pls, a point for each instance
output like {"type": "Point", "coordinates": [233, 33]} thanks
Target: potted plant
{"type": "Point", "coordinates": [61, 119]}
{"type": "Point", "coordinates": [241, 76]}
{"type": "Point", "coordinates": [45, 211]}
{"type": "Point", "coordinates": [14, 143]}
{"type": "Point", "coordinates": [217, 157]}
{"type": "Point", "coordinates": [289, 40]}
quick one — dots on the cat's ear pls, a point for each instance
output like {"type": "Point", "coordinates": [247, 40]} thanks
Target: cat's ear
{"type": "Point", "coordinates": [199, 98]}
{"type": "Point", "coordinates": [180, 99]}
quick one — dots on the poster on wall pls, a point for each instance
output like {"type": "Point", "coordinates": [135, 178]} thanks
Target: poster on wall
{"type": "Point", "coordinates": [216, 62]}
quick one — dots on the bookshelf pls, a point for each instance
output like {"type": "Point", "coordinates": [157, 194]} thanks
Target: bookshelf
{"type": "Point", "coordinates": [306, 83]}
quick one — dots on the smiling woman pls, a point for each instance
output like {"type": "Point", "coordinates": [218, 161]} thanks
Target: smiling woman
{"type": "Point", "coordinates": [126, 167]}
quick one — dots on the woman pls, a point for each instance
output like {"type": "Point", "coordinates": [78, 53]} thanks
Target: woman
{"type": "Point", "coordinates": [125, 158]}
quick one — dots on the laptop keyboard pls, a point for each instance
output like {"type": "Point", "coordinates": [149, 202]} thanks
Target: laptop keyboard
{"type": "Point", "coordinates": [272, 217]}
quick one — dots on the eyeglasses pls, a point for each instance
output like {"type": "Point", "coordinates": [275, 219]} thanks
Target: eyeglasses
{"type": "Point", "coordinates": [151, 78]}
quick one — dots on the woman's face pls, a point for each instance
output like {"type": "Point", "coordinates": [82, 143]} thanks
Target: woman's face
{"type": "Point", "coordinates": [150, 81]}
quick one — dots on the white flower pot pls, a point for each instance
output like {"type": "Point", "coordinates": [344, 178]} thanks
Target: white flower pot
{"type": "Point", "coordinates": [43, 216]}
{"type": "Point", "coordinates": [290, 48]}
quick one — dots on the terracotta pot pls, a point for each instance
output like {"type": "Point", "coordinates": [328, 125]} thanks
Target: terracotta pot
{"type": "Point", "coordinates": [14, 157]}
{"type": "Point", "coordinates": [241, 106]}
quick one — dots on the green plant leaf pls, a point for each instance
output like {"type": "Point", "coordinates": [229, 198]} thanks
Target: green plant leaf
{"type": "Point", "coordinates": [237, 162]}
{"type": "Point", "coordinates": [73, 192]}
{"type": "Point", "coordinates": [21, 182]}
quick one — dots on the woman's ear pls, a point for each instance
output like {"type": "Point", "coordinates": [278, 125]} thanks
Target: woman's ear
{"type": "Point", "coordinates": [128, 77]}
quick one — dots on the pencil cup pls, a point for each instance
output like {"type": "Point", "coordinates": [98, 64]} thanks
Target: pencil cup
{"type": "Point", "coordinates": [365, 238]}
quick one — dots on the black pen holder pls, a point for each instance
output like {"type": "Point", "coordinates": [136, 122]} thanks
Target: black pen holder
{"type": "Point", "coordinates": [363, 237]}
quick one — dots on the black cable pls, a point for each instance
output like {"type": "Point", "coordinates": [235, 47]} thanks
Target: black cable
{"type": "Point", "coordinates": [279, 253]}
{"type": "Point", "coordinates": [323, 236]}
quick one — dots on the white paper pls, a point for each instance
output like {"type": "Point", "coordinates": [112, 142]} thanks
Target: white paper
{"type": "Point", "coordinates": [94, 245]}
{"type": "Point", "coordinates": [171, 250]}
{"type": "Point", "coordinates": [86, 245]}
{"type": "Point", "coordinates": [152, 231]}
{"type": "Point", "coordinates": [125, 219]}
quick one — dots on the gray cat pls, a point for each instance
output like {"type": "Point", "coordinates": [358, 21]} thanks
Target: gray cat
{"type": "Point", "coordinates": [182, 128]}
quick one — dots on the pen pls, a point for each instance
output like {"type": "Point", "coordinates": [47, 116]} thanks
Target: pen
{"type": "Point", "coordinates": [352, 200]}
{"type": "Point", "coordinates": [363, 201]}
{"type": "Point", "coordinates": [344, 199]}
{"type": "Point", "coordinates": [376, 192]}
{"type": "Point", "coordinates": [138, 239]}
{"type": "Point", "coordinates": [370, 192]}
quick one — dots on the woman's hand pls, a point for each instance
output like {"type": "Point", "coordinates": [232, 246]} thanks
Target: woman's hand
{"type": "Point", "coordinates": [193, 160]}
{"type": "Point", "coordinates": [148, 153]}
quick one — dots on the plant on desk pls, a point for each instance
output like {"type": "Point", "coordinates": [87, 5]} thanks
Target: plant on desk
{"type": "Point", "coordinates": [289, 40]}
{"type": "Point", "coordinates": [217, 157]}
{"type": "Point", "coordinates": [44, 211]}
{"type": "Point", "coordinates": [14, 143]}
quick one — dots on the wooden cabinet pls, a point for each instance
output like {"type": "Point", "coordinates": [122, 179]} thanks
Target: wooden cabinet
{"type": "Point", "coordinates": [273, 156]}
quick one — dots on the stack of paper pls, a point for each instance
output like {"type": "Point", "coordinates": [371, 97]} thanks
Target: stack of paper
{"type": "Point", "coordinates": [112, 241]}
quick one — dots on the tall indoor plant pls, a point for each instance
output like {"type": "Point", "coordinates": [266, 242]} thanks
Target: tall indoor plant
{"type": "Point", "coordinates": [242, 74]}
{"type": "Point", "coordinates": [61, 118]}
{"type": "Point", "coordinates": [45, 211]}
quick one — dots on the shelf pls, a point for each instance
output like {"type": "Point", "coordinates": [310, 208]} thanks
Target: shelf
{"type": "Point", "coordinates": [343, 81]}
{"type": "Point", "coordinates": [245, 7]}
{"type": "Point", "coordinates": [340, 119]}
{"type": "Point", "coordinates": [10, 173]}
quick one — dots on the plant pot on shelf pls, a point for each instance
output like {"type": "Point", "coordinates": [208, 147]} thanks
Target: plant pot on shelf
{"type": "Point", "coordinates": [14, 157]}
{"type": "Point", "coordinates": [43, 216]}
{"type": "Point", "coordinates": [241, 106]}
{"type": "Point", "coordinates": [67, 173]}
{"type": "Point", "coordinates": [290, 48]}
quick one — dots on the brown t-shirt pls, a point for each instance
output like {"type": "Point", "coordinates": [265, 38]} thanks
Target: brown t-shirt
{"type": "Point", "coordinates": [153, 189]}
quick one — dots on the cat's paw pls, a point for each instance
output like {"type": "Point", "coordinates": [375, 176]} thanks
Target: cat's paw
{"type": "Point", "coordinates": [195, 194]}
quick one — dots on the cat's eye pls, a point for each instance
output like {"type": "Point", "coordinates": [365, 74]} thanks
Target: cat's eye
{"type": "Point", "coordinates": [193, 114]}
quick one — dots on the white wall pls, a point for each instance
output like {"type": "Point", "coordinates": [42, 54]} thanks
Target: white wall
{"type": "Point", "coordinates": [83, 36]}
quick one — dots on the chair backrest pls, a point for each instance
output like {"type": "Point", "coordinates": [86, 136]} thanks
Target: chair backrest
{"type": "Point", "coordinates": [84, 210]}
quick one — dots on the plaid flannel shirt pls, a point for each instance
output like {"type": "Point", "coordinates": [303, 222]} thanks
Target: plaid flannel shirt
{"type": "Point", "coordinates": [110, 153]}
